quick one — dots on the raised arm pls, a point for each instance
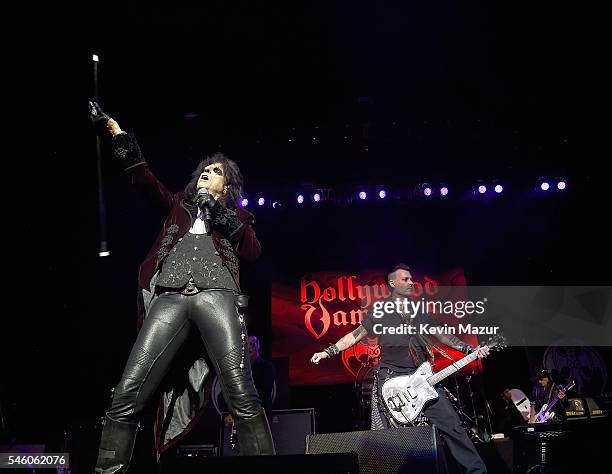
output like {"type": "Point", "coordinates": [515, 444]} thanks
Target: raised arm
{"type": "Point", "coordinates": [128, 154]}
{"type": "Point", "coordinates": [344, 343]}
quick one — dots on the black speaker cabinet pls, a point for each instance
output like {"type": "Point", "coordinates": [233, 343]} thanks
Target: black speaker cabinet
{"type": "Point", "coordinates": [289, 431]}
{"type": "Point", "coordinates": [399, 450]}
{"type": "Point", "coordinates": [338, 463]}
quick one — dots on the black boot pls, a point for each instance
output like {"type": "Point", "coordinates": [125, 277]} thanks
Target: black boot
{"type": "Point", "coordinates": [116, 446]}
{"type": "Point", "coordinates": [254, 436]}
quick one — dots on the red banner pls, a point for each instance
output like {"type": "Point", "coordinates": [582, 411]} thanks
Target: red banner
{"type": "Point", "coordinates": [317, 309]}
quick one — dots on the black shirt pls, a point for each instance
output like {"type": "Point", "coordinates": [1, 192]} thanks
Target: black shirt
{"type": "Point", "coordinates": [395, 348]}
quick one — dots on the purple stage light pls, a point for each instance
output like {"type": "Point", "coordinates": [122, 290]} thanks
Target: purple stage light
{"type": "Point", "coordinates": [427, 191]}
{"type": "Point", "coordinates": [499, 188]}
{"type": "Point", "coordinates": [561, 185]}
{"type": "Point", "coordinates": [261, 201]}
{"type": "Point", "coordinates": [482, 189]}
{"type": "Point", "coordinates": [362, 195]}
{"type": "Point", "coordinates": [382, 194]}
{"type": "Point", "coordinates": [444, 191]}
{"type": "Point", "coordinates": [545, 186]}
{"type": "Point", "coordinates": [316, 197]}
{"type": "Point", "coordinates": [244, 202]}
{"type": "Point", "coordinates": [300, 199]}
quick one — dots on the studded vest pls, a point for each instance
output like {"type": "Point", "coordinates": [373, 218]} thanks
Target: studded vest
{"type": "Point", "coordinates": [194, 257]}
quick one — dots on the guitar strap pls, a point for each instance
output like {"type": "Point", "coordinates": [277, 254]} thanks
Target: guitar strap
{"type": "Point", "coordinates": [429, 346]}
{"type": "Point", "coordinates": [425, 342]}
{"type": "Point", "coordinates": [550, 394]}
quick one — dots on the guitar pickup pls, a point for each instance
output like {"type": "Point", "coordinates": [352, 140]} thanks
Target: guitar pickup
{"type": "Point", "coordinates": [410, 392]}
{"type": "Point", "coordinates": [406, 398]}
{"type": "Point", "coordinates": [396, 405]}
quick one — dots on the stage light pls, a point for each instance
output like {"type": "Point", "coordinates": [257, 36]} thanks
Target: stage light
{"type": "Point", "coordinates": [444, 191]}
{"type": "Point", "coordinates": [362, 195]}
{"type": "Point", "coordinates": [561, 185]}
{"type": "Point", "coordinates": [261, 201]}
{"type": "Point", "coordinates": [499, 188]}
{"type": "Point", "coordinates": [300, 199]}
{"type": "Point", "coordinates": [276, 205]}
{"type": "Point", "coordinates": [482, 189]}
{"type": "Point", "coordinates": [244, 202]}
{"type": "Point", "coordinates": [382, 194]}
{"type": "Point", "coordinates": [544, 186]}
{"type": "Point", "coordinates": [427, 191]}
{"type": "Point", "coordinates": [316, 197]}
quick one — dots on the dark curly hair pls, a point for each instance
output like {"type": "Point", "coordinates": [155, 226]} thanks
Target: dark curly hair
{"type": "Point", "coordinates": [233, 180]}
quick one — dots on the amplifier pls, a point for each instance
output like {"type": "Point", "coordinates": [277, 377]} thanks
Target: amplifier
{"type": "Point", "coordinates": [411, 450]}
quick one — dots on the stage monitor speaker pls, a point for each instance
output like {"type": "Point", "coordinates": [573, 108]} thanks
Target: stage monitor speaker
{"type": "Point", "coordinates": [596, 410]}
{"type": "Point", "coordinates": [338, 463]}
{"type": "Point", "coordinates": [289, 431]}
{"type": "Point", "coordinates": [412, 450]}
{"type": "Point", "coordinates": [576, 409]}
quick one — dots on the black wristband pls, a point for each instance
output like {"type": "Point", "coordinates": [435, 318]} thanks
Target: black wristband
{"type": "Point", "coordinates": [332, 350]}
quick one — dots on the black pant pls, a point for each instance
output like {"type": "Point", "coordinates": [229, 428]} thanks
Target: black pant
{"type": "Point", "coordinates": [441, 413]}
{"type": "Point", "coordinates": [165, 330]}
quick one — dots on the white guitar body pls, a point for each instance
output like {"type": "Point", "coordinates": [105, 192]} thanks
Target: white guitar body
{"type": "Point", "coordinates": [521, 402]}
{"type": "Point", "coordinates": [406, 395]}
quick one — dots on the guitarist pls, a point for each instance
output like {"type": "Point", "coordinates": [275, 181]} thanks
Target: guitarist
{"type": "Point", "coordinates": [401, 355]}
{"type": "Point", "coordinates": [544, 392]}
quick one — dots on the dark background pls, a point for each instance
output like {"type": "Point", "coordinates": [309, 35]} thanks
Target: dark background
{"type": "Point", "coordinates": [303, 96]}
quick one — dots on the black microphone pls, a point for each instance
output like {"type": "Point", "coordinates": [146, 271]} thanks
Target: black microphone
{"type": "Point", "coordinates": [202, 192]}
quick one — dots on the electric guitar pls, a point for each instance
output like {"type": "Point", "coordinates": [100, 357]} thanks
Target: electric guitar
{"type": "Point", "coordinates": [545, 414]}
{"type": "Point", "coordinates": [406, 396]}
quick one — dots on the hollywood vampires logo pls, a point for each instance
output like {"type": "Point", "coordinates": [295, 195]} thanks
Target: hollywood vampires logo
{"type": "Point", "coordinates": [315, 301]}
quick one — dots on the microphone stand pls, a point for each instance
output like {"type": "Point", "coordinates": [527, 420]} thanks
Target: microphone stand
{"type": "Point", "coordinates": [457, 390]}
{"type": "Point", "coordinates": [488, 411]}
{"type": "Point", "coordinates": [103, 252]}
{"type": "Point", "coordinates": [471, 392]}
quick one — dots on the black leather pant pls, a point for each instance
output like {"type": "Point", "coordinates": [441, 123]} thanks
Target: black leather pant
{"type": "Point", "coordinates": [165, 330]}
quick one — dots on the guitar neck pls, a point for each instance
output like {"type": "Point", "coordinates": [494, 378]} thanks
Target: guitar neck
{"type": "Point", "coordinates": [552, 403]}
{"type": "Point", "coordinates": [451, 369]}
{"type": "Point", "coordinates": [556, 397]}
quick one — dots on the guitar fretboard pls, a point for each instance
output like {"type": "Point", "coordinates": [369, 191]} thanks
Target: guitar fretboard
{"type": "Point", "coordinates": [451, 369]}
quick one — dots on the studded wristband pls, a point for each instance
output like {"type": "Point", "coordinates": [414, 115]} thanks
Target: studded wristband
{"type": "Point", "coordinates": [332, 350]}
